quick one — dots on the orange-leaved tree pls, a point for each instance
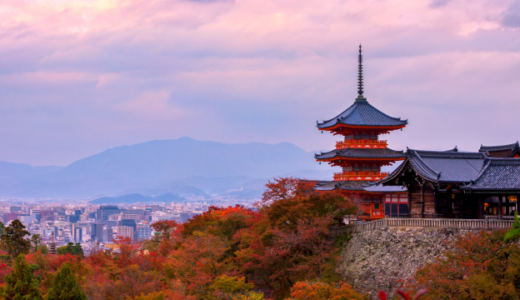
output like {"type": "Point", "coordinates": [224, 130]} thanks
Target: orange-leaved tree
{"type": "Point", "coordinates": [481, 266]}
{"type": "Point", "coordinates": [197, 262]}
{"type": "Point", "coordinates": [324, 291]}
{"type": "Point", "coordinates": [165, 241]}
{"type": "Point", "coordinates": [290, 240]}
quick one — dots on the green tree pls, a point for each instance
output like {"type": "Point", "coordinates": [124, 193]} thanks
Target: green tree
{"type": "Point", "coordinates": [36, 241]}
{"type": "Point", "coordinates": [65, 286]}
{"type": "Point", "coordinates": [71, 248]}
{"type": "Point", "coordinates": [44, 249]}
{"type": "Point", "coordinates": [2, 228]}
{"type": "Point", "coordinates": [513, 232]}
{"type": "Point", "coordinates": [14, 240]}
{"type": "Point", "coordinates": [20, 283]}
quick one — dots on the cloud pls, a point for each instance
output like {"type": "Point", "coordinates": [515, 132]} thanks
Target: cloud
{"type": "Point", "coordinates": [80, 76]}
{"type": "Point", "coordinates": [511, 17]}
{"type": "Point", "coordinates": [150, 105]}
{"type": "Point", "coordinates": [439, 3]}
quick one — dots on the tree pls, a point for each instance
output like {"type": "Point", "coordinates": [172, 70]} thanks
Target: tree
{"type": "Point", "coordinates": [165, 228]}
{"type": "Point", "coordinates": [324, 291]}
{"type": "Point", "coordinates": [135, 281]}
{"type": "Point", "coordinates": [198, 262]}
{"type": "Point", "coordinates": [2, 228]}
{"type": "Point", "coordinates": [232, 288]}
{"type": "Point", "coordinates": [71, 248]}
{"type": "Point", "coordinates": [20, 283]}
{"type": "Point", "coordinates": [163, 241]}
{"type": "Point", "coordinates": [14, 240]}
{"type": "Point", "coordinates": [36, 241]}
{"type": "Point", "coordinates": [515, 231]}
{"type": "Point", "coordinates": [65, 286]}
{"type": "Point", "coordinates": [308, 249]}
{"type": "Point", "coordinates": [285, 188]}
{"type": "Point", "coordinates": [286, 206]}
{"type": "Point", "coordinates": [480, 266]}
{"type": "Point", "coordinates": [126, 248]}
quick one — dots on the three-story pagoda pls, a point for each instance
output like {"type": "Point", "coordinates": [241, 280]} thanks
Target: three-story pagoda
{"type": "Point", "coordinates": [361, 153]}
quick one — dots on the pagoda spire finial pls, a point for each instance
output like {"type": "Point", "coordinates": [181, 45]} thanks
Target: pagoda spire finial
{"type": "Point", "coordinates": [360, 76]}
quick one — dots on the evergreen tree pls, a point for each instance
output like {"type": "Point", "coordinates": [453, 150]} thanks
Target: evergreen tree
{"type": "Point", "coordinates": [14, 240]}
{"type": "Point", "coordinates": [20, 283]}
{"type": "Point", "coordinates": [71, 248]}
{"type": "Point", "coordinates": [78, 250]}
{"type": "Point", "coordinates": [36, 241]}
{"type": "Point", "coordinates": [65, 286]}
{"type": "Point", "coordinates": [2, 228]}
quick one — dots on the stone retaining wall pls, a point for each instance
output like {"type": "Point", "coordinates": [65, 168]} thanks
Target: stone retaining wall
{"type": "Point", "coordinates": [381, 258]}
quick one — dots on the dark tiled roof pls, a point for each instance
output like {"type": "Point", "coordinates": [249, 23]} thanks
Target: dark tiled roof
{"type": "Point", "coordinates": [348, 185]}
{"type": "Point", "coordinates": [378, 188]}
{"type": "Point", "coordinates": [442, 166]}
{"type": "Point", "coordinates": [361, 113]}
{"type": "Point", "coordinates": [497, 174]}
{"type": "Point", "coordinates": [499, 148]}
{"type": "Point", "coordinates": [361, 153]}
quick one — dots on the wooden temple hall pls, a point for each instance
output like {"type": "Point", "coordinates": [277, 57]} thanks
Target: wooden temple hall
{"type": "Point", "coordinates": [456, 184]}
{"type": "Point", "coordinates": [427, 184]}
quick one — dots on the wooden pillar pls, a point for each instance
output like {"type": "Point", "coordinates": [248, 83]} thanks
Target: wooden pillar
{"type": "Point", "coordinates": [500, 207]}
{"type": "Point", "coordinates": [507, 205]}
{"type": "Point", "coordinates": [409, 188]}
{"type": "Point", "coordinates": [436, 204]}
{"type": "Point", "coordinates": [517, 206]}
{"type": "Point", "coordinates": [449, 201]}
{"type": "Point", "coordinates": [422, 199]}
{"type": "Point", "coordinates": [481, 207]}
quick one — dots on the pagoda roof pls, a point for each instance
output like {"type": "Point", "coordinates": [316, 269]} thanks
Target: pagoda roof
{"type": "Point", "coordinates": [361, 153]}
{"type": "Point", "coordinates": [449, 166]}
{"type": "Point", "coordinates": [361, 113]}
{"type": "Point", "coordinates": [347, 185]}
{"type": "Point", "coordinates": [497, 174]}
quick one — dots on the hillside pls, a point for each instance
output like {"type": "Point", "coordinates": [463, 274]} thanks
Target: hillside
{"type": "Point", "coordinates": [183, 167]}
{"type": "Point", "coordinates": [137, 198]}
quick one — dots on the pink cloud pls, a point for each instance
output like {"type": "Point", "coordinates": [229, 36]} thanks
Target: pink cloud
{"type": "Point", "coordinates": [146, 69]}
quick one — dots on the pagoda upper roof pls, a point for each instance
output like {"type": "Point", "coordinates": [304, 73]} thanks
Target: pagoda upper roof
{"type": "Point", "coordinates": [362, 153]}
{"type": "Point", "coordinates": [361, 113]}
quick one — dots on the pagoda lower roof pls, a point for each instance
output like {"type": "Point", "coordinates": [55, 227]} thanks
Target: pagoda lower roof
{"type": "Point", "coordinates": [361, 113]}
{"type": "Point", "coordinates": [373, 153]}
{"type": "Point", "coordinates": [348, 185]}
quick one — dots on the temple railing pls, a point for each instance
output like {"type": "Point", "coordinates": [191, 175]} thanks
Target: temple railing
{"type": "Point", "coordinates": [360, 175]}
{"type": "Point", "coordinates": [465, 224]}
{"type": "Point", "coordinates": [361, 144]}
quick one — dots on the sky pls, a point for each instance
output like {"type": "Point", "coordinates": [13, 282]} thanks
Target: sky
{"type": "Point", "coordinates": [80, 76]}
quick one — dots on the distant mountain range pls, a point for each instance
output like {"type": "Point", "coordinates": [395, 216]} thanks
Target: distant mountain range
{"type": "Point", "coordinates": [138, 198]}
{"type": "Point", "coordinates": [182, 167]}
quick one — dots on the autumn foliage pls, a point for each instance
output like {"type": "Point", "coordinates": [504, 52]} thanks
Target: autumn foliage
{"type": "Point", "coordinates": [481, 266]}
{"type": "Point", "coordinates": [281, 249]}
{"type": "Point", "coordinates": [272, 251]}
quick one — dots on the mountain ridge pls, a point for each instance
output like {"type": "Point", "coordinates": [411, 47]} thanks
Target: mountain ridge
{"type": "Point", "coordinates": [184, 164]}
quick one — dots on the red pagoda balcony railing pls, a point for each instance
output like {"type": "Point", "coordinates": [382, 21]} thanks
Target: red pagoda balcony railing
{"type": "Point", "coordinates": [360, 175]}
{"type": "Point", "coordinates": [361, 144]}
